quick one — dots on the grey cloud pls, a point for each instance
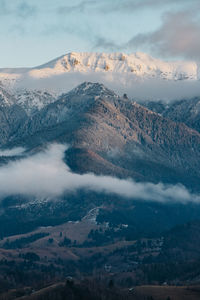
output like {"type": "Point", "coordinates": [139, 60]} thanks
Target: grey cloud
{"type": "Point", "coordinates": [46, 175]}
{"type": "Point", "coordinates": [178, 36]}
{"type": "Point", "coordinates": [103, 43]}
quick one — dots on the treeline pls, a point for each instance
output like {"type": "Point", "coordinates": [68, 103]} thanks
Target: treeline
{"type": "Point", "coordinates": [85, 290]}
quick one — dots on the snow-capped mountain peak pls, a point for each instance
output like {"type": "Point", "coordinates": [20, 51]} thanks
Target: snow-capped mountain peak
{"type": "Point", "coordinates": [91, 88]}
{"type": "Point", "coordinates": [136, 64]}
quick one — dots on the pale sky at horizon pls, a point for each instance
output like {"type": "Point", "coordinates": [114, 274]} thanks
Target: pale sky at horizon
{"type": "Point", "coordinates": [34, 32]}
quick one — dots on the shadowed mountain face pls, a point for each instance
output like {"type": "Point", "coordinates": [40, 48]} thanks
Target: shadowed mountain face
{"type": "Point", "coordinates": [186, 111]}
{"type": "Point", "coordinates": [11, 116]}
{"type": "Point", "coordinates": [112, 135]}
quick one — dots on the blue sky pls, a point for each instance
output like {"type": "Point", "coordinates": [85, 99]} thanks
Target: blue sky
{"type": "Point", "coordinates": [34, 32]}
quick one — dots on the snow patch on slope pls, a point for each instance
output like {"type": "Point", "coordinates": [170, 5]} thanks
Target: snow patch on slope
{"type": "Point", "coordinates": [34, 100]}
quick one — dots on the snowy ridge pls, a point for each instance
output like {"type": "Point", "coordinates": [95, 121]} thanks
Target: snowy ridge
{"type": "Point", "coordinates": [91, 88]}
{"type": "Point", "coordinates": [139, 64]}
{"type": "Point", "coordinates": [30, 100]}
{"type": "Point", "coordinates": [136, 64]}
{"type": "Point", "coordinates": [34, 100]}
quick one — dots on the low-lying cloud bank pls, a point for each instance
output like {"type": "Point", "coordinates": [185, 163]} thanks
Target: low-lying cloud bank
{"type": "Point", "coordinates": [46, 175]}
{"type": "Point", "coordinates": [135, 87]}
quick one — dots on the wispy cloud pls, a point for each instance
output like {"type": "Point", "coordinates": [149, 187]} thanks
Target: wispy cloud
{"type": "Point", "coordinates": [25, 10]}
{"type": "Point", "coordinates": [78, 8]}
{"type": "Point", "coordinates": [20, 9]}
{"type": "Point", "coordinates": [3, 8]}
{"type": "Point", "coordinates": [125, 6]}
{"type": "Point", "coordinates": [46, 175]}
{"type": "Point", "coordinates": [108, 44]}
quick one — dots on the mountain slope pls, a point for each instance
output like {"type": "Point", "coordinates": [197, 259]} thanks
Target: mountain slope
{"type": "Point", "coordinates": [33, 100]}
{"type": "Point", "coordinates": [186, 111]}
{"type": "Point", "coordinates": [11, 115]}
{"type": "Point", "coordinates": [119, 137]}
{"type": "Point", "coordinates": [6, 99]}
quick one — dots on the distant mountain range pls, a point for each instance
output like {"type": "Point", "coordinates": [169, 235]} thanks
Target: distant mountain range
{"type": "Point", "coordinates": [138, 65]}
